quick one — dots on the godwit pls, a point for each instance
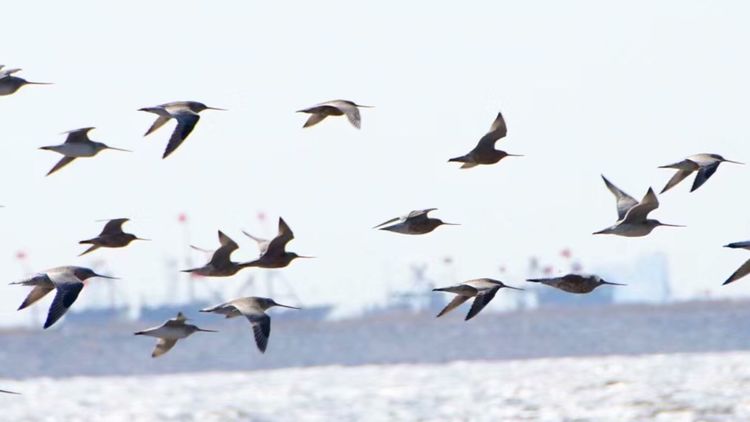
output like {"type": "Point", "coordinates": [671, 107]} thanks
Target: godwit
{"type": "Point", "coordinates": [77, 145]}
{"type": "Point", "coordinates": [632, 216]}
{"type": "Point", "coordinates": [9, 84]}
{"type": "Point", "coordinates": [111, 236]}
{"type": "Point", "coordinates": [704, 164]}
{"type": "Point", "coordinates": [67, 280]}
{"type": "Point", "coordinates": [220, 264]}
{"type": "Point", "coordinates": [482, 289]}
{"type": "Point", "coordinates": [416, 222]}
{"type": "Point", "coordinates": [574, 283]}
{"type": "Point", "coordinates": [334, 108]}
{"type": "Point", "coordinates": [273, 253]}
{"type": "Point", "coordinates": [745, 268]}
{"type": "Point", "coordinates": [169, 332]}
{"type": "Point", "coordinates": [253, 308]}
{"type": "Point", "coordinates": [186, 114]}
{"type": "Point", "coordinates": [485, 152]}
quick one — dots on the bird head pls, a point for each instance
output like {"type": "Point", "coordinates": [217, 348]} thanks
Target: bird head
{"type": "Point", "coordinates": [83, 273]}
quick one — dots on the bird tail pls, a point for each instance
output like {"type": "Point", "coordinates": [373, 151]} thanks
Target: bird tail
{"type": "Point", "coordinates": [90, 249]}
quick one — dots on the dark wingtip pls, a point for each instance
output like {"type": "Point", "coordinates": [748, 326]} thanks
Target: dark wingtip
{"type": "Point", "coordinates": [729, 280]}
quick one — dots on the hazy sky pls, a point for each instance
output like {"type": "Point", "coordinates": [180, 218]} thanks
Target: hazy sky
{"type": "Point", "coordinates": [586, 88]}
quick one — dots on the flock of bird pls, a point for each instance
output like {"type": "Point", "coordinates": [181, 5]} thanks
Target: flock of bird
{"type": "Point", "coordinates": [68, 281]}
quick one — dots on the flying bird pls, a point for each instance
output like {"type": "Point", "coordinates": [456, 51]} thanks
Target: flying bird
{"type": "Point", "coordinates": [704, 164]}
{"type": "Point", "coordinates": [220, 264]}
{"type": "Point", "coordinates": [745, 268]}
{"type": "Point", "coordinates": [632, 216]}
{"type": "Point", "coordinates": [482, 289]}
{"type": "Point", "coordinates": [320, 111]}
{"type": "Point", "coordinates": [67, 280]}
{"type": "Point", "coordinates": [253, 308]}
{"type": "Point", "coordinates": [9, 84]}
{"type": "Point", "coordinates": [415, 222]}
{"type": "Point", "coordinates": [111, 236]}
{"type": "Point", "coordinates": [169, 332]}
{"type": "Point", "coordinates": [77, 145]}
{"type": "Point", "coordinates": [273, 253]}
{"type": "Point", "coordinates": [485, 152]}
{"type": "Point", "coordinates": [186, 115]}
{"type": "Point", "coordinates": [574, 283]}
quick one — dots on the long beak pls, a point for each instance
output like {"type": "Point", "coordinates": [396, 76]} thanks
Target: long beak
{"type": "Point", "coordinates": [140, 238]}
{"type": "Point", "coordinates": [119, 149]}
{"type": "Point", "coordinates": [451, 224]}
{"type": "Point", "coordinates": [305, 256]}
{"type": "Point", "coordinates": [364, 106]}
{"type": "Point", "coordinates": [200, 249]}
{"type": "Point", "coordinates": [514, 155]}
{"type": "Point", "coordinates": [106, 276]}
{"type": "Point", "coordinates": [602, 231]}
{"type": "Point", "coordinates": [613, 284]}
{"type": "Point", "coordinates": [513, 288]}
{"type": "Point", "coordinates": [39, 83]}
{"type": "Point", "coordinates": [671, 225]}
{"type": "Point", "coordinates": [206, 331]}
{"type": "Point", "coordinates": [215, 108]}
{"type": "Point", "coordinates": [287, 306]}
{"type": "Point", "coordinates": [733, 162]}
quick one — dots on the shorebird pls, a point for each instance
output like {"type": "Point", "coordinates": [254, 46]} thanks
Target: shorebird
{"type": "Point", "coordinates": [9, 84]}
{"type": "Point", "coordinates": [482, 289]}
{"type": "Point", "coordinates": [77, 145]}
{"type": "Point", "coordinates": [253, 308]}
{"type": "Point", "coordinates": [273, 253]}
{"type": "Point", "coordinates": [574, 283]}
{"type": "Point", "coordinates": [745, 268]}
{"type": "Point", "coordinates": [186, 114]}
{"type": "Point", "coordinates": [67, 280]}
{"type": "Point", "coordinates": [111, 236]}
{"type": "Point", "coordinates": [416, 222]}
{"type": "Point", "coordinates": [704, 164]}
{"type": "Point", "coordinates": [169, 332]}
{"type": "Point", "coordinates": [220, 264]}
{"type": "Point", "coordinates": [632, 215]}
{"type": "Point", "coordinates": [334, 108]}
{"type": "Point", "coordinates": [485, 152]}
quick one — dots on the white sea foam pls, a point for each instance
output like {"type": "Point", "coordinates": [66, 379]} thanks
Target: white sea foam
{"type": "Point", "coordinates": [677, 387]}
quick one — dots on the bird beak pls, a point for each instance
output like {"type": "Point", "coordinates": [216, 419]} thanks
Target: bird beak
{"type": "Point", "coordinates": [733, 162]}
{"type": "Point", "coordinates": [119, 149]}
{"type": "Point", "coordinates": [305, 256]}
{"type": "Point", "coordinates": [671, 225]}
{"type": "Point", "coordinates": [140, 238]}
{"type": "Point", "coordinates": [286, 306]}
{"type": "Point", "coordinates": [451, 224]}
{"type": "Point", "coordinates": [613, 284]}
{"type": "Point", "coordinates": [364, 106]}
{"type": "Point", "coordinates": [215, 108]}
{"type": "Point", "coordinates": [514, 155]}
{"type": "Point", "coordinates": [206, 331]}
{"type": "Point", "coordinates": [513, 288]}
{"type": "Point", "coordinates": [105, 276]}
{"type": "Point", "coordinates": [603, 231]}
{"type": "Point", "coordinates": [39, 83]}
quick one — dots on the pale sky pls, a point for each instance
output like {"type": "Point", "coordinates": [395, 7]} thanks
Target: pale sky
{"type": "Point", "coordinates": [586, 88]}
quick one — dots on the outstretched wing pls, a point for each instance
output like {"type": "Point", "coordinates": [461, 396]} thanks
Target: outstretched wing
{"type": "Point", "coordinates": [159, 122]}
{"type": "Point", "coordinates": [36, 293]}
{"type": "Point", "coordinates": [481, 301]}
{"type": "Point", "coordinates": [162, 346]}
{"type": "Point", "coordinates": [113, 227]}
{"type": "Point", "coordinates": [498, 130]}
{"type": "Point", "coordinates": [221, 255]}
{"type": "Point", "coordinates": [60, 164]}
{"type": "Point", "coordinates": [741, 272]}
{"type": "Point", "coordinates": [640, 212]}
{"type": "Point", "coordinates": [676, 178]}
{"type": "Point", "coordinates": [186, 121]}
{"type": "Point", "coordinates": [624, 201]}
{"type": "Point", "coordinates": [456, 302]}
{"type": "Point", "coordinates": [277, 245]}
{"type": "Point", "coordinates": [704, 174]}
{"type": "Point", "coordinates": [67, 293]}
{"type": "Point", "coordinates": [78, 135]}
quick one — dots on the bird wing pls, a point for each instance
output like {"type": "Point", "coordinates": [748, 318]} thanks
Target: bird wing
{"type": "Point", "coordinates": [677, 178]}
{"type": "Point", "coordinates": [640, 212]}
{"type": "Point", "coordinates": [419, 213]}
{"type": "Point", "coordinates": [277, 245]}
{"type": "Point", "coordinates": [624, 201]}
{"type": "Point", "coordinates": [78, 135]}
{"type": "Point", "coordinates": [36, 293]}
{"type": "Point", "coordinates": [352, 113]}
{"type": "Point", "coordinates": [262, 243]}
{"type": "Point", "coordinates": [481, 301]}
{"type": "Point", "coordinates": [162, 346]}
{"type": "Point", "coordinates": [60, 164]}
{"type": "Point", "coordinates": [223, 253]}
{"type": "Point", "coordinates": [498, 130]}
{"type": "Point", "coordinates": [456, 302]}
{"type": "Point", "coordinates": [159, 122]}
{"type": "Point", "coordinates": [314, 119]}
{"type": "Point", "coordinates": [260, 321]}
{"type": "Point", "coordinates": [186, 121]}
{"type": "Point", "coordinates": [741, 272]}
{"type": "Point", "coordinates": [113, 227]}
{"type": "Point", "coordinates": [67, 293]}
{"type": "Point", "coordinates": [704, 174]}
{"type": "Point", "coordinates": [392, 220]}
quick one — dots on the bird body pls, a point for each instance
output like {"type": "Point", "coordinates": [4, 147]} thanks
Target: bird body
{"type": "Point", "coordinates": [186, 115]}
{"type": "Point", "coordinates": [334, 108]}
{"type": "Point", "coordinates": [77, 145]}
{"type": "Point", "coordinates": [482, 289]}
{"type": "Point", "coordinates": [632, 216]}
{"type": "Point", "coordinates": [484, 152]}
{"type": "Point", "coordinates": [68, 281]}
{"type": "Point", "coordinates": [254, 309]}
{"type": "Point", "coordinates": [574, 283]}
{"type": "Point", "coordinates": [705, 164]}
{"type": "Point", "coordinates": [111, 236]}
{"type": "Point", "coordinates": [9, 84]}
{"type": "Point", "coordinates": [220, 264]}
{"type": "Point", "coordinates": [168, 333]}
{"type": "Point", "coordinates": [415, 222]}
{"type": "Point", "coordinates": [273, 253]}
